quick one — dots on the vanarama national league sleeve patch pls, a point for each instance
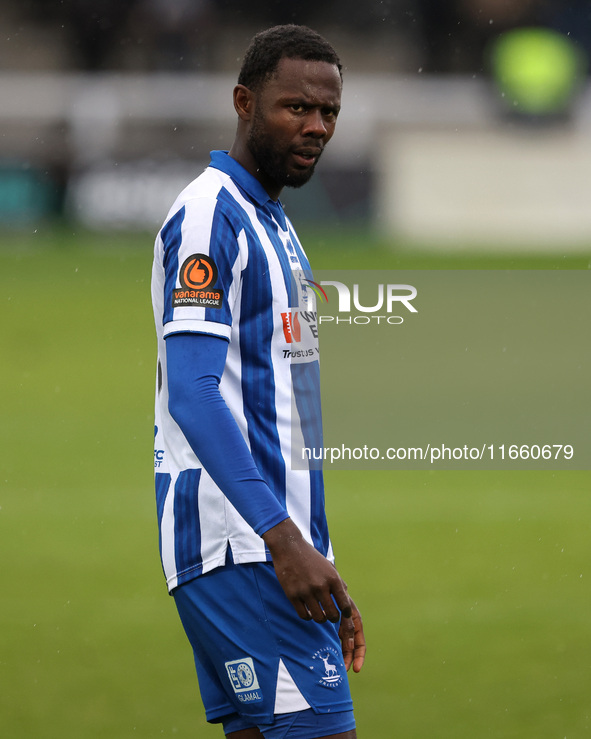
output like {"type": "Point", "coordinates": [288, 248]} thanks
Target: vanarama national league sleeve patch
{"type": "Point", "coordinates": [198, 277]}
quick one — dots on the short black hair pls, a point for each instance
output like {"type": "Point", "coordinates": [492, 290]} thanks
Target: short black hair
{"type": "Point", "coordinates": [290, 41]}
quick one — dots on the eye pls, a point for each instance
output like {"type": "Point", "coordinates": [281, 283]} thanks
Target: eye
{"type": "Point", "coordinates": [297, 107]}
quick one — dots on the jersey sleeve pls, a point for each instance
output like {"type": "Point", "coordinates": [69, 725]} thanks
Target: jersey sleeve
{"type": "Point", "coordinates": [195, 365]}
{"type": "Point", "coordinates": [203, 253]}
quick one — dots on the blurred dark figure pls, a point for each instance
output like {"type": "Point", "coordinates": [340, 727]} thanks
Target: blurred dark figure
{"type": "Point", "coordinates": [572, 18]}
{"type": "Point", "coordinates": [175, 35]}
{"type": "Point", "coordinates": [266, 13]}
{"type": "Point", "coordinates": [455, 34]}
{"type": "Point", "coordinates": [98, 31]}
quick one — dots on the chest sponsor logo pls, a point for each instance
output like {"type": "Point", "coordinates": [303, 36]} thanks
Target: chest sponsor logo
{"type": "Point", "coordinates": [198, 276]}
{"type": "Point", "coordinates": [244, 680]}
{"type": "Point", "coordinates": [291, 327]}
{"type": "Point", "coordinates": [303, 341]}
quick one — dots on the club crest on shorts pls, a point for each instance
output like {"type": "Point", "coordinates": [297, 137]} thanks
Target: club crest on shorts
{"type": "Point", "coordinates": [328, 666]}
{"type": "Point", "coordinates": [244, 680]}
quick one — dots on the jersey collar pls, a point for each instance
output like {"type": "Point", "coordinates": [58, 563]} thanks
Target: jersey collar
{"type": "Point", "coordinates": [247, 182]}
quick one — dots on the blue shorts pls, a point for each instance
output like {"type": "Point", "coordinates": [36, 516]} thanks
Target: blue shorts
{"type": "Point", "coordinates": [258, 661]}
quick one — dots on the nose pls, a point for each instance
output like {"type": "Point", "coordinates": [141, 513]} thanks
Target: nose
{"type": "Point", "coordinates": [315, 125]}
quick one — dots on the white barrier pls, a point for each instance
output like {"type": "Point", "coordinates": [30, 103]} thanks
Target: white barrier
{"type": "Point", "coordinates": [448, 168]}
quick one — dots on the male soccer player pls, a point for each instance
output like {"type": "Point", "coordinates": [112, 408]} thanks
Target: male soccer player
{"type": "Point", "coordinates": [243, 535]}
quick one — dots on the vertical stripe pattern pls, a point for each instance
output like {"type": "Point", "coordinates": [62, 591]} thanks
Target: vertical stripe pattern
{"type": "Point", "coordinates": [226, 216]}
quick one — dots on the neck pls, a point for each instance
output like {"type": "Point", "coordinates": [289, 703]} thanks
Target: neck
{"type": "Point", "coordinates": [242, 154]}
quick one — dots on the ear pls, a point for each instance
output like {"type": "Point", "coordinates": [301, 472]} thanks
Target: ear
{"type": "Point", "coordinates": [243, 102]}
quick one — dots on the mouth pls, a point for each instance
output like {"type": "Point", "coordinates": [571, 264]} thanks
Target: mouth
{"type": "Point", "coordinates": [307, 157]}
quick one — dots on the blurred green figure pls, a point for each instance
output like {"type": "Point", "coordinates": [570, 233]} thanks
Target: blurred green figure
{"type": "Point", "coordinates": [537, 70]}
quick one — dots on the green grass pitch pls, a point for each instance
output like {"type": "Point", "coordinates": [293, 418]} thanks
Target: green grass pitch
{"type": "Point", "coordinates": [475, 586]}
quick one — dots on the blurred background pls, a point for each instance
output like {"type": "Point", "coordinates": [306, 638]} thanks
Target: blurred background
{"type": "Point", "coordinates": [465, 120]}
{"type": "Point", "coordinates": [464, 144]}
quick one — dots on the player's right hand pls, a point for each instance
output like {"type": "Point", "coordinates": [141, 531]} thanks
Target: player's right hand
{"type": "Point", "coordinates": [309, 580]}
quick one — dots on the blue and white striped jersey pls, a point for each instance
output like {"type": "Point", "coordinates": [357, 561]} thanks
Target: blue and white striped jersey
{"type": "Point", "coordinates": [227, 262]}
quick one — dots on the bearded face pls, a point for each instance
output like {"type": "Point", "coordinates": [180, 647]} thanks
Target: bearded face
{"type": "Point", "coordinates": [274, 156]}
{"type": "Point", "coordinates": [293, 118]}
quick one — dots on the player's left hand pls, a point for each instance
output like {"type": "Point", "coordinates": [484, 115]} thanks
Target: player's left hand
{"type": "Point", "coordinates": [353, 639]}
